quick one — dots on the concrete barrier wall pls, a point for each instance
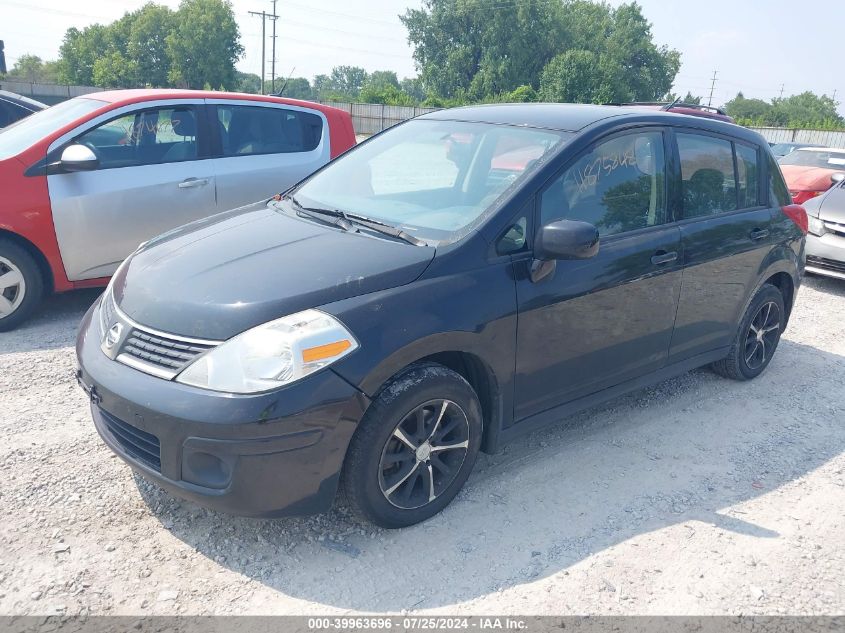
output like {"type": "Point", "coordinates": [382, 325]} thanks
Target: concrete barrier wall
{"type": "Point", "coordinates": [51, 94]}
{"type": "Point", "coordinates": [822, 138]}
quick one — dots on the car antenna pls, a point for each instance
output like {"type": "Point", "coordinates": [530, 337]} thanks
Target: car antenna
{"type": "Point", "coordinates": [669, 106]}
{"type": "Point", "coordinates": [285, 85]}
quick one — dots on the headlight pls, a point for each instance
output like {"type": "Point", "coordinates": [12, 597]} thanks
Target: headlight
{"type": "Point", "coordinates": [816, 226]}
{"type": "Point", "coordinates": [271, 355]}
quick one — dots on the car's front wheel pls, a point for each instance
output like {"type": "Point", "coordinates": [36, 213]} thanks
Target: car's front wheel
{"type": "Point", "coordinates": [414, 448]}
{"type": "Point", "coordinates": [21, 285]}
{"type": "Point", "coordinates": [757, 338]}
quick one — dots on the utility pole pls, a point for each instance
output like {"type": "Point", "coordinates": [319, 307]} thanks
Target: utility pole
{"type": "Point", "coordinates": [712, 85]}
{"type": "Point", "coordinates": [781, 90]}
{"type": "Point", "coordinates": [263, 15]}
{"type": "Point", "coordinates": [273, 17]}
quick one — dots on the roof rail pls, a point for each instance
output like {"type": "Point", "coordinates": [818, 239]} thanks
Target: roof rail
{"type": "Point", "coordinates": [674, 104]}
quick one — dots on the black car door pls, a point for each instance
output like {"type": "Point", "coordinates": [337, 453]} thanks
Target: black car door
{"type": "Point", "coordinates": [594, 323]}
{"type": "Point", "coordinates": [725, 229]}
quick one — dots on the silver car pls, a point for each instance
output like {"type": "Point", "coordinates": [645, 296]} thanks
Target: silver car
{"type": "Point", "coordinates": [826, 239]}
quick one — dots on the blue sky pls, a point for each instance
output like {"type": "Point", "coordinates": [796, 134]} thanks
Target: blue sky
{"type": "Point", "coordinates": [756, 45]}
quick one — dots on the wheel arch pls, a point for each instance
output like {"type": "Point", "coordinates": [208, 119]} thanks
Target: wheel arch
{"type": "Point", "coordinates": [783, 281]}
{"type": "Point", "coordinates": [781, 268]}
{"type": "Point", "coordinates": [37, 255]}
{"type": "Point", "coordinates": [467, 362]}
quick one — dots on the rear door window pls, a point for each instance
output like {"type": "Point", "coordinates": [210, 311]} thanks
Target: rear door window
{"type": "Point", "coordinates": [707, 172]}
{"type": "Point", "coordinates": [251, 130]}
{"type": "Point", "coordinates": [145, 137]}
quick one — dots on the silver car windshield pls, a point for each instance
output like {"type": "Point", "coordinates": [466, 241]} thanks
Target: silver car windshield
{"type": "Point", "coordinates": [433, 179]}
{"type": "Point", "coordinates": [23, 134]}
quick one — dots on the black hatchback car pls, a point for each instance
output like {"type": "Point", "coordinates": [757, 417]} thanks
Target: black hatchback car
{"type": "Point", "coordinates": [460, 279]}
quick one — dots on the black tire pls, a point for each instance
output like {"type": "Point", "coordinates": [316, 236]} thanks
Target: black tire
{"type": "Point", "coordinates": [751, 352]}
{"type": "Point", "coordinates": [423, 400]}
{"type": "Point", "coordinates": [24, 297]}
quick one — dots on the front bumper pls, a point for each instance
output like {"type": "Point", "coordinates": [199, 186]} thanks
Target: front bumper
{"type": "Point", "coordinates": [826, 255]}
{"type": "Point", "coordinates": [265, 455]}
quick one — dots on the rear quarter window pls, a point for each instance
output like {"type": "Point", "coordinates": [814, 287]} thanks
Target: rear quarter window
{"type": "Point", "coordinates": [778, 193]}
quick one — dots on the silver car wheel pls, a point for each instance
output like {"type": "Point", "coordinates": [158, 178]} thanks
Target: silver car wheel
{"type": "Point", "coordinates": [12, 287]}
{"type": "Point", "coordinates": [424, 454]}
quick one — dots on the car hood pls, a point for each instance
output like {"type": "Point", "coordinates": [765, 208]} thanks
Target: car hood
{"type": "Point", "coordinates": [223, 275]}
{"type": "Point", "coordinates": [803, 178]}
{"type": "Point", "coordinates": [830, 207]}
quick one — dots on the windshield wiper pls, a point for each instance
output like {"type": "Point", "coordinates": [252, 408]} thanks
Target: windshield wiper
{"type": "Point", "coordinates": [348, 218]}
{"type": "Point", "coordinates": [317, 214]}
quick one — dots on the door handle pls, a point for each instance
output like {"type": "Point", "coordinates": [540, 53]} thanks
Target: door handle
{"type": "Point", "coordinates": [193, 182]}
{"type": "Point", "coordinates": [662, 257]}
{"type": "Point", "coordinates": [759, 234]}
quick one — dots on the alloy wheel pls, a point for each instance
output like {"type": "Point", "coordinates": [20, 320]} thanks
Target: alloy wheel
{"type": "Point", "coordinates": [424, 454]}
{"type": "Point", "coordinates": [762, 335]}
{"type": "Point", "coordinates": [12, 287]}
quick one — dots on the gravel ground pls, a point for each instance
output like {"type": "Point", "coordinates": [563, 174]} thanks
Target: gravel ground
{"type": "Point", "coordinates": [698, 496]}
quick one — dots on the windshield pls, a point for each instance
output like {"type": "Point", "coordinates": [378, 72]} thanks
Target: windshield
{"type": "Point", "coordinates": [23, 134]}
{"type": "Point", "coordinates": [433, 179]}
{"type": "Point", "coordinates": [782, 149]}
{"type": "Point", "coordinates": [827, 159]}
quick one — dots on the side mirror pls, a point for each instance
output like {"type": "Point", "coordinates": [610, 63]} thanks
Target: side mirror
{"type": "Point", "coordinates": [837, 177]}
{"type": "Point", "coordinates": [78, 158]}
{"type": "Point", "coordinates": [567, 239]}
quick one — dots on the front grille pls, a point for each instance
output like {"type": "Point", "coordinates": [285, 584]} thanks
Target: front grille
{"type": "Point", "coordinates": [139, 444]}
{"type": "Point", "coordinates": [835, 228]}
{"type": "Point", "coordinates": [822, 262]}
{"type": "Point", "coordinates": [169, 354]}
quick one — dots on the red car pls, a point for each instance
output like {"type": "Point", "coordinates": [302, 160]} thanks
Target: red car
{"type": "Point", "coordinates": [808, 171]}
{"type": "Point", "coordinates": [86, 181]}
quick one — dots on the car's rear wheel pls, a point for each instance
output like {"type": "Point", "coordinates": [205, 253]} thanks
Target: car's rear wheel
{"type": "Point", "coordinates": [21, 285]}
{"type": "Point", "coordinates": [757, 338]}
{"type": "Point", "coordinates": [414, 448]}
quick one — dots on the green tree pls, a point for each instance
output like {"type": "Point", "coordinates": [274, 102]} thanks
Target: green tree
{"type": "Point", "coordinates": [805, 110]}
{"type": "Point", "coordinates": [204, 44]}
{"type": "Point", "coordinates": [464, 47]}
{"type": "Point", "coordinates": [381, 78]}
{"type": "Point", "coordinates": [146, 46]}
{"type": "Point", "coordinates": [464, 50]}
{"type": "Point", "coordinates": [387, 94]}
{"type": "Point", "coordinates": [382, 86]}
{"type": "Point", "coordinates": [414, 87]}
{"type": "Point", "coordinates": [639, 69]}
{"type": "Point", "coordinates": [247, 82]}
{"type": "Point", "coordinates": [347, 80]}
{"type": "Point", "coordinates": [79, 51]}
{"type": "Point", "coordinates": [28, 68]}
{"type": "Point", "coordinates": [691, 98]}
{"type": "Point", "coordinates": [523, 94]}
{"type": "Point", "coordinates": [743, 109]}
{"type": "Point", "coordinates": [297, 88]}
{"type": "Point", "coordinates": [576, 77]}
{"type": "Point", "coordinates": [114, 70]}
{"type": "Point", "coordinates": [320, 85]}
